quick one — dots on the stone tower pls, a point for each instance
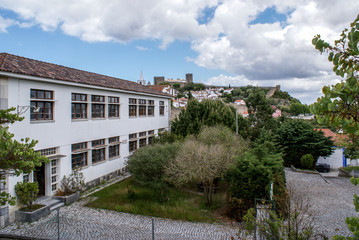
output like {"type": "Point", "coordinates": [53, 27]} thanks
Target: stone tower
{"type": "Point", "coordinates": [158, 80]}
{"type": "Point", "coordinates": [189, 78]}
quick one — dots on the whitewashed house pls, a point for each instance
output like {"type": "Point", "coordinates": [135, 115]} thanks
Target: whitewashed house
{"type": "Point", "coordinates": [81, 119]}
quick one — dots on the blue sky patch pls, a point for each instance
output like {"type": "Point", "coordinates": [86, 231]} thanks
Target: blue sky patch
{"type": "Point", "coordinates": [270, 15]}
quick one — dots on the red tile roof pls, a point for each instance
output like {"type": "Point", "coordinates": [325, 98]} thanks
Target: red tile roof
{"type": "Point", "coordinates": [21, 65]}
{"type": "Point", "coordinates": [336, 137]}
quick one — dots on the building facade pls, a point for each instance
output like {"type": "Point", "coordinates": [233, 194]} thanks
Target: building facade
{"type": "Point", "coordinates": [80, 119]}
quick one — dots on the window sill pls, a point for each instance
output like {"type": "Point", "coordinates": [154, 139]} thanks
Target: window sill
{"type": "Point", "coordinates": [114, 118]}
{"type": "Point", "coordinates": [79, 119]}
{"type": "Point", "coordinates": [98, 163]}
{"type": "Point", "coordinates": [132, 117]}
{"type": "Point", "coordinates": [41, 121]}
{"type": "Point", "coordinates": [114, 158]}
{"type": "Point", "coordinates": [98, 119]}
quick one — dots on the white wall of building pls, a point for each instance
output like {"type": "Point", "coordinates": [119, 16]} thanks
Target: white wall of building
{"type": "Point", "coordinates": [64, 131]}
{"type": "Point", "coordinates": [335, 160]}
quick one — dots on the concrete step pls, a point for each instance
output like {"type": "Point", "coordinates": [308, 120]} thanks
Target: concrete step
{"type": "Point", "coordinates": [56, 206]}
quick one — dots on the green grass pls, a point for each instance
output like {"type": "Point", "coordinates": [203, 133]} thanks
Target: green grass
{"type": "Point", "coordinates": [348, 169]}
{"type": "Point", "coordinates": [182, 205]}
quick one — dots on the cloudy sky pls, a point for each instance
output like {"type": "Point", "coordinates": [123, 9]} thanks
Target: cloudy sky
{"type": "Point", "coordinates": [222, 42]}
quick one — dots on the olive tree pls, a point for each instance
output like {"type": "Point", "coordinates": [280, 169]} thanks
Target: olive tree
{"type": "Point", "coordinates": [205, 158]}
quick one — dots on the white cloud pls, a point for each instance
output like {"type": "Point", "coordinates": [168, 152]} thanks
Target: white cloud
{"type": "Point", "coordinates": [142, 48]}
{"type": "Point", "coordinates": [5, 23]}
{"type": "Point", "coordinates": [260, 52]}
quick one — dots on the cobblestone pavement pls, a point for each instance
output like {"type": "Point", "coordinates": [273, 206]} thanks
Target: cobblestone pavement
{"type": "Point", "coordinates": [330, 202]}
{"type": "Point", "coordinates": [78, 222]}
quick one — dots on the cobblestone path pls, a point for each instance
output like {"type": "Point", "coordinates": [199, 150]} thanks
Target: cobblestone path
{"type": "Point", "coordinates": [78, 222]}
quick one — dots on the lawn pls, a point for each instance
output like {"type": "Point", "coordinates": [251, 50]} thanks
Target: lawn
{"type": "Point", "coordinates": [187, 205]}
{"type": "Point", "coordinates": [348, 169]}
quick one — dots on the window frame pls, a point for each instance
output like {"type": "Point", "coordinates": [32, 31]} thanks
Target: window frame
{"type": "Point", "coordinates": [46, 111]}
{"type": "Point", "coordinates": [79, 102]}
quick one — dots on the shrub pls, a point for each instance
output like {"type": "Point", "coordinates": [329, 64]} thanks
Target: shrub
{"type": "Point", "coordinates": [74, 182]}
{"type": "Point", "coordinates": [27, 192]}
{"type": "Point", "coordinates": [147, 166]}
{"type": "Point", "coordinates": [251, 178]}
{"type": "Point", "coordinates": [307, 161]}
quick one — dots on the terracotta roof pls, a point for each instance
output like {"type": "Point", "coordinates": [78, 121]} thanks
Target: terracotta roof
{"type": "Point", "coordinates": [337, 138]}
{"type": "Point", "coordinates": [21, 65]}
{"type": "Point", "coordinates": [158, 87]}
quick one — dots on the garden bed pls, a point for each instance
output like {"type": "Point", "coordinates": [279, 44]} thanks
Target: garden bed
{"type": "Point", "coordinates": [31, 214]}
{"type": "Point", "coordinates": [182, 205]}
{"type": "Point", "coordinates": [69, 198]}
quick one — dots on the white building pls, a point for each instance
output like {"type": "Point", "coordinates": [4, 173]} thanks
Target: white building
{"type": "Point", "coordinates": [79, 118]}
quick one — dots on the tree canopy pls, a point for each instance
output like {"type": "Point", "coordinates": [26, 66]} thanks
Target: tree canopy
{"type": "Point", "coordinates": [205, 113]}
{"type": "Point", "coordinates": [17, 157]}
{"type": "Point", "coordinates": [205, 158]}
{"type": "Point", "coordinates": [340, 104]}
{"type": "Point", "coordinates": [297, 138]}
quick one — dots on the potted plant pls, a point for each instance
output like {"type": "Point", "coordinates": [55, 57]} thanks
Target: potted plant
{"type": "Point", "coordinates": [71, 186]}
{"type": "Point", "coordinates": [27, 193]}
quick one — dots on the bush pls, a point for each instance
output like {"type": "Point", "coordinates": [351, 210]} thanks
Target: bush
{"type": "Point", "coordinates": [27, 192]}
{"type": "Point", "coordinates": [147, 166]}
{"type": "Point", "coordinates": [307, 161]}
{"type": "Point", "coordinates": [71, 184]}
{"type": "Point", "coordinates": [251, 178]}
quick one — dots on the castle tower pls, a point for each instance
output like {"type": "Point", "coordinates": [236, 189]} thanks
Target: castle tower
{"type": "Point", "coordinates": [158, 80]}
{"type": "Point", "coordinates": [189, 78]}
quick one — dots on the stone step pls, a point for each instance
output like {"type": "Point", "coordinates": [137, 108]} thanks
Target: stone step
{"type": "Point", "coordinates": [56, 206]}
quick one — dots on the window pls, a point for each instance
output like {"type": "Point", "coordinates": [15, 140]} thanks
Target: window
{"type": "Point", "coordinates": [132, 142]}
{"type": "Point", "coordinates": [98, 106]}
{"type": "Point", "coordinates": [79, 106]}
{"type": "Point", "coordinates": [79, 155]}
{"type": "Point", "coordinates": [114, 149]}
{"type": "Point", "coordinates": [54, 174]}
{"type": "Point", "coordinates": [142, 107]}
{"type": "Point", "coordinates": [79, 160]}
{"type": "Point", "coordinates": [132, 107]}
{"type": "Point", "coordinates": [113, 107]}
{"type": "Point", "coordinates": [151, 134]}
{"type": "Point", "coordinates": [151, 108]}
{"type": "Point", "coordinates": [47, 151]}
{"type": "Point", "coordinates": [142, 134]}
{"type": "Point", "coordinates": [26, 178]}
{"type": "Point", "coordinates": [142, 142]}
{"type": "Point", "coordinates": [78, 146]}
{"type": "Point", "coordinates": [161, 130]}
{"type": "Point", "coordinates": [41, 105]}
{"type": "Point", "coordinates": [99, 153]}
{"type": "Point", "coordinates": [162, 108]}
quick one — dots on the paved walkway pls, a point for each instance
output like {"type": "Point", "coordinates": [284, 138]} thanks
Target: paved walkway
{"type": "Point", "coordinates": [331, 202]}
{"type": "Point", "coordinates": [79, 222]}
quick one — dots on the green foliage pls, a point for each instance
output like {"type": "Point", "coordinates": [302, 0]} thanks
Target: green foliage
{"type": "Point", "coordinates": [205, 113]}
{"type": "Point", "coordinates": [176, 85]}
{"type": "Point", "coordinates": [298, 108]}
{"type": "Point", "coordinates": [339, 106]}
{"type": "Point", "coordinates": [285, 95]}
{"type": "Point", "coordinates": [167, 137]}
{"type": "Point", "coordinates": [27, 192]}
{"type": "Point", "coordinates": [73, 183]}
{"type": "Point", "coordinates": [164, 83]}
{"type": "Point", "coordinates": [147, 166]}
{"type": "Point", "coordinates": [307, 161]}
{"type": "Point", "coordinates": [251, 178]}
{"type": "Point", "coordinates": [193, 87]}
{"type": "Point", "coordinates": [297, 137]}
{"type": "Point", "coordinates": [205, 158]}
{"type": "Point", "coordinates": [17, 157]}
{"type": "Point", "coordinates": [260, 113]}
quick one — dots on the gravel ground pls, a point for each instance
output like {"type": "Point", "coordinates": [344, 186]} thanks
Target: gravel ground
{"type": "Point", "coordinates": [330, 202]}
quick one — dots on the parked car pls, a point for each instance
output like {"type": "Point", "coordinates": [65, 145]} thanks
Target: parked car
{"type": "Point", "coordinates": [322, 167]}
